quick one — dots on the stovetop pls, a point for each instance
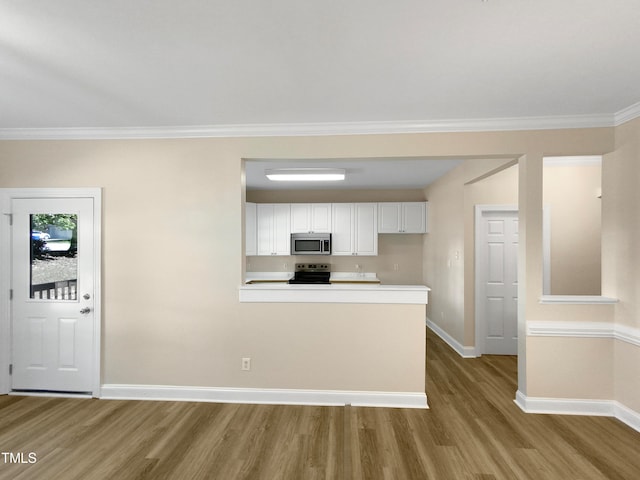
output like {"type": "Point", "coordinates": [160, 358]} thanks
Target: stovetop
{"type": "Point", "coordinates": [311, 273]}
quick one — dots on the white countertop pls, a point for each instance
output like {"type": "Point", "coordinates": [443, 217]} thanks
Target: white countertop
{"type": "Point", "coordinates": [267, 277]}
{"type": "Point", "coordinates": [353, 277]}
{"type": "Point", "coordinates": [335, 293]}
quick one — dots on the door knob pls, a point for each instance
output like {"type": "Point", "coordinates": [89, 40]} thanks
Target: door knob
{"type": "Point", "coordinates": [85, 310]}
{"type": "Point", "coordinates": [86, 296]}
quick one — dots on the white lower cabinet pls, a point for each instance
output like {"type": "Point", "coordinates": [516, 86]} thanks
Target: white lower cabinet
{"type": "Point", "coordinates": [354, 229]}
{"type": "Point", "coordinates": [273, 229]}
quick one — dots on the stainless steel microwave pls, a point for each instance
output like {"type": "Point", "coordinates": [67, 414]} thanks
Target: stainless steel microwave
{"type": "Point", "coordinates": [310, 244]}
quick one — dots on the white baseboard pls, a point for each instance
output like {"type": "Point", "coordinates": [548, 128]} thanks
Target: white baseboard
{"type": "Point", "coordinates": [464, 352]}
{"type": "Point", "coordinates": [570, 406]}
{"type": "Point", "coordinates": [265, 396]}
{"type": "Point", "coordinates": [626, 415]}
{"type": "Point", "coordinates": [26, 393]}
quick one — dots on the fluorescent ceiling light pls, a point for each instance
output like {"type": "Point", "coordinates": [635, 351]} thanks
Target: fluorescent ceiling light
{"type": "Point", "coordinates": [305, 174]}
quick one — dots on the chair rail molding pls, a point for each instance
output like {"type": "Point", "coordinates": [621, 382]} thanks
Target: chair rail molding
{"type": "Point", "coordinates": [619, 332]}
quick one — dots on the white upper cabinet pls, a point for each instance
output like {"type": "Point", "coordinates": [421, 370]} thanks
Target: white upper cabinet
{"type": "Point", "coordinates": [402, 217]}
{"type": "Point", "coordinates": [389, 217]}
{"type": "Point", "coordinates": [310, 218]}
{"type": "Point", "coordinates": [342, 229]}
{"type": "Point", "coordinates": [354, 229]}
{"type": "Point", "coordinates": [251, 234]}
{"type": "Point", "coordinates": [273, 229]}
{"type": "Point", "coordinates": [366, 228]}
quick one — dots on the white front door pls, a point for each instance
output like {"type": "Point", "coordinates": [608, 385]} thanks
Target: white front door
{"type": "Point", "coordinates": [53, 283]}
{"type": "Point", "coordinates": [498, 282]}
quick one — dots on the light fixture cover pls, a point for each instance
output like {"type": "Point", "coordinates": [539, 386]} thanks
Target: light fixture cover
{"type": "Point", "coordinates": [305, 174]}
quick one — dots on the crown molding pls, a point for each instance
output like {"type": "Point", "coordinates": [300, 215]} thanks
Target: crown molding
{"type": "Point", "coordinates": [626, 114]}
{"type": "Point", "coordinates": [312, 129]}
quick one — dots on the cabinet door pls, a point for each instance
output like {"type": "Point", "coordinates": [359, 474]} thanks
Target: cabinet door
{"type": "Point", "coordinates": [264, 214]}
{"type": "Point", "coordinates": [389, 217]}
{"type": "Point", "coordinates": [310, 217]}
{"type": "Point", "coordinates": [251, 232]}
{"type": "Point", "coordinates": [413, 217]}
{"type": "Point", "coordinates": [300, 217]}
{"type": "Point", "coordinates": [320, 214]}
{"type": "Point", "coordinates": [342, 229]}
{"type": "Point", "coordinates": [274, 229]}
{"type": "Point", "coordinates": [282, 229]}
{"type": "Point", "coordinates": [366, 229]}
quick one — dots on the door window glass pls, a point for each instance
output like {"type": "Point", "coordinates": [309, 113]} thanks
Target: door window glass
{"type": "Point", "coordinates": [54, 256]}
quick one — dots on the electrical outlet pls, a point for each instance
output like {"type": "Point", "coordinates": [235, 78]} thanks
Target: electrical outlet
{"type": "Point", "coordinates": [396, 267]}
{"type": "Point", "coordinates": [246, 363]}
{"type": "Point", "coordinates": [285, 266]}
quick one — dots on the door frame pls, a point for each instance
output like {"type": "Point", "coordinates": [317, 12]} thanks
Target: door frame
{"type": "Point", "coordinates": [480, 210]}
{"type": "Point", "coordinates": [7, 195]}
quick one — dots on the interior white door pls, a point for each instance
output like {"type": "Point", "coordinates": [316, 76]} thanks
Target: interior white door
{"type": "Point", "coordinates": [499, 282]}
{"type": "Point", "coordinates": [53, 283]}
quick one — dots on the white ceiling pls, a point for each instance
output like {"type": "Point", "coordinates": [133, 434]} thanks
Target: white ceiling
{"type": "Point", "coordinates": [374, 173]}
{"type": "Point", "coordinates": [171, 63]}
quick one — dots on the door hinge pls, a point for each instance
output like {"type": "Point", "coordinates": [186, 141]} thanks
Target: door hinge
{"type": "Point", "coordinates": [10, 215]}
{"type": "Point", "coordinates": [11, 369]}
{"type": "Point", "coordinates": [11, 294]}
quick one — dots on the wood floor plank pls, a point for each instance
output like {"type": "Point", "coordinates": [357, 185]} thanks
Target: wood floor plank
{"type": "Point", "coordinates": [473, 431]}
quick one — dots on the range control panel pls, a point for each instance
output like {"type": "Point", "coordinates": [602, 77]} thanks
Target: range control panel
{"type": "Point", "coordinates": [313, 267]}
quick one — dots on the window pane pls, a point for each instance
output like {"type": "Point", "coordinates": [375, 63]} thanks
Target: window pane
{"type": "Point", "coordinates": [54, 251]}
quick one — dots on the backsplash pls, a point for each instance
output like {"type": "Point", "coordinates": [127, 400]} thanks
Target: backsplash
{"type": "Point", "coordinates": [399, 261]}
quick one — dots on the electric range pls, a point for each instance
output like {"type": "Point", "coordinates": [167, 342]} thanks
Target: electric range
{"type": "Point", "coordinates": [311, 273]}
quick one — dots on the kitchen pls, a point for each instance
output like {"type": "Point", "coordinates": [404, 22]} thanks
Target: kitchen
{"type": "Point", "coordinates": [372, 259]}
{"type": "Point", "coordinates": [386, 185]}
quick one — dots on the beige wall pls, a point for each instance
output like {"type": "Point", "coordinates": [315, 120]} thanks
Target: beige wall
{"type": "Point", "coordinates": [402, 250]}
{"type": "Point", "coordinates": [171, 311]}
{"type": "Point", "coordinates": [452, 201]}
{"type": "Point", "coordinates": [621, 252]}
{"type": "Point", "coordinates": [575, 368]}
{"type": "Point", "coordinates": [570, 192]}
{"type": "Point", "coordinates": [584, 367]}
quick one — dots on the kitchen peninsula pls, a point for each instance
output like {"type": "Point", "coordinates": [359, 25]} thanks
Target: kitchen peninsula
{"type": "Point", "coordinates": [362, 343]}
{"type": "Point", "coordinates": [352, 337]}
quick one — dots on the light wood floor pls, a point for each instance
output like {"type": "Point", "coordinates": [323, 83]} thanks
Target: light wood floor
{"type": "Point", "coordinates": [472, 431]}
